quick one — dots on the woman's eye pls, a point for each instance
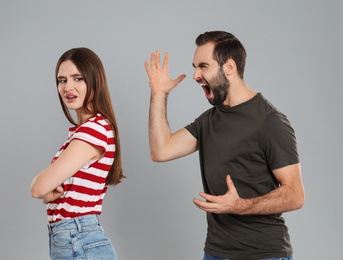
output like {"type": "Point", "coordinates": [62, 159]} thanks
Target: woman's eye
{"type": "Point", "coordinates": [61, 81]}
{"type": "Point", "coordinates": [79, 79]}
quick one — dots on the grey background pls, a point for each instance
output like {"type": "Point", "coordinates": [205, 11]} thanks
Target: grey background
{"type": "Point", "coordinates": [294, 58]}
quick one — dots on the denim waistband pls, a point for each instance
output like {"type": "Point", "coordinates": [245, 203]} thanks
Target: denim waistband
{"type": "Point", "coordinates": [79, 223]}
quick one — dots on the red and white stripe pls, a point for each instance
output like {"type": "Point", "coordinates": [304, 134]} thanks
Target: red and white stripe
{"type": "Point", "coordinates": [85, 190]}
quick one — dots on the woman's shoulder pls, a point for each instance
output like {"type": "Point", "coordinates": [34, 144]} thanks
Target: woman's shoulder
{"type": "Point", "coordinates": [101, 120]}
{"type": "Point", "coordinates": [97, 123]}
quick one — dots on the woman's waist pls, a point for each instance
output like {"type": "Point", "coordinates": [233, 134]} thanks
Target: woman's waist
{"type": "Point", "coordinates": [81, 223]}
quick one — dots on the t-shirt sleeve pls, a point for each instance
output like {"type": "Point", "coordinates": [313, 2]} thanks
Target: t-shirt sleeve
{"type": "Point", "coordinates": [193, 128]}
{"type": "Point", "coordinates": [279, 142]}
{"type": "Point", "coordinates": [92, 133]}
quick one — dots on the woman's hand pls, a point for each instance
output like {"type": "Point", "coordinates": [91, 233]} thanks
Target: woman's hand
{"type": "Point", "coordinates": [53, 195]}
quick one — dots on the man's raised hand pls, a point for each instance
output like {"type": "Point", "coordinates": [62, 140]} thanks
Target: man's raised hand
{"type": "Point", "coordinates": [160, 82]}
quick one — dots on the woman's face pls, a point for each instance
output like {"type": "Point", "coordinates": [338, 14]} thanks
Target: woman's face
{"type": "Point", "coordinates": [71, 86]}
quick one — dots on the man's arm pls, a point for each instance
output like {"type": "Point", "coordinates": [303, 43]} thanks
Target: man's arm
{"type": "Point", "coordinates": [164, 145]}
{"type": "Point", "coordinates": [289, 196]}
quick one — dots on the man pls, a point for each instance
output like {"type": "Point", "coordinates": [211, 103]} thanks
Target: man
{"type": "Point", "coordinates": [247, 148]}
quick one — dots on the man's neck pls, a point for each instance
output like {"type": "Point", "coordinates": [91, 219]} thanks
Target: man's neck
{"type": "Point", "coordinates": [238, 93]}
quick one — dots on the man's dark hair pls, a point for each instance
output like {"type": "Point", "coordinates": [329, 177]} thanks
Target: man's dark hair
{"type": "Point", "coordinates": [227, 46]}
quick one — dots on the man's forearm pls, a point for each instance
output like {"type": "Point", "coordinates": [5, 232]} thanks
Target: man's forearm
{"type": "Point", "coordinates": [280, 200]}
{"type": "Point", "coordinates": [159, 132]}
{"type": "Point", "coordinates": [163, 147]}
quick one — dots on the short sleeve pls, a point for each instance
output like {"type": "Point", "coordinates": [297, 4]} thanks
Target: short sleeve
{"type": "Point", "coordinates": [279, 142]}
{"type": "Point", "coordinates": [193, 129]}
{"type": "Point", "coordinates": [92, 133]}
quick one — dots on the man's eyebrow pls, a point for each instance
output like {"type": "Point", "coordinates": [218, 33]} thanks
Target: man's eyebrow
{"type": "Point", "coordinates": [201, 64]}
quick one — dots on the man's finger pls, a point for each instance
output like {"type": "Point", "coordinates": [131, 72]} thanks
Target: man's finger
{"type": "Point", "coordinates": [152, 61]}
{"type": "Point", "coordinates": [231, 187]}
{"type": "Point", "coordinates": [209, 197]}
{"type": "Point", "coordinates": [147, 68]}
{"type": "Point", "coordinates": [158, 60]}
{"type": "Point", "coordinates": [166, 61]}
{"type": "Point", "coordinates": [179, 79]}
{"type": "Point", "coordinates": [206, 206]}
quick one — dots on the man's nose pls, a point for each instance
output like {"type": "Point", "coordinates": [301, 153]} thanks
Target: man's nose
{"type": "Point", "coordinates": [197, 75]}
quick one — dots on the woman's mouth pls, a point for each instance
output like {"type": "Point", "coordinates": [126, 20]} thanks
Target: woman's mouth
{"type": "Point", "coordinates": [70, 98]}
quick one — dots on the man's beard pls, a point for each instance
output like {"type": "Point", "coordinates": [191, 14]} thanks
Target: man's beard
{"type": "Point", "coordinates": [220, 87]}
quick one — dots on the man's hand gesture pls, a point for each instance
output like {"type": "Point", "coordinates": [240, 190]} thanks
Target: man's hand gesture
{"type": "Point", "coordinates": [160, 82]}
{"type": "Point", "coordinates": [230, 202]}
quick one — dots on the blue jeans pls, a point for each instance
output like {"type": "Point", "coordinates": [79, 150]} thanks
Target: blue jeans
{"type": "Point", "coordinates": [79, 238]}
{"type": "Point", "coordinates": [209, 257]}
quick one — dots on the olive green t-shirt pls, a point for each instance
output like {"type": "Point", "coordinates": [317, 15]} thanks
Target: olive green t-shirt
{"type": "Point", "coordinates": [247, 142]}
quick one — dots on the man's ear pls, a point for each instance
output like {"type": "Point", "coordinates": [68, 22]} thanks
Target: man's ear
{"type": "Point", "coordinates": [229, 67]}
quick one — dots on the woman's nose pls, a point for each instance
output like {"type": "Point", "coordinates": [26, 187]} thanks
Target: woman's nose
{"type": "Point", "coordinates": [68, 86]}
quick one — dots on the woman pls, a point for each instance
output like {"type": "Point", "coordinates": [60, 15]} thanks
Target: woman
{"type": "Point", "coordinates": [74, 185]}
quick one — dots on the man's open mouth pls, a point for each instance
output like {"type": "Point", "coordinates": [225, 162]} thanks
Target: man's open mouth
{"type": "Point", "coordinates": [207, 90]}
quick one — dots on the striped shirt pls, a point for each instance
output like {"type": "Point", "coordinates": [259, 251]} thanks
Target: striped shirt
{"type": "Point", "coordinates": [85, 190]}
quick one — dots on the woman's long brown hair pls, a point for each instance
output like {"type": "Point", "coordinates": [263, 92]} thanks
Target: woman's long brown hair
{"type": "Point", "coordinates": [97, 99]}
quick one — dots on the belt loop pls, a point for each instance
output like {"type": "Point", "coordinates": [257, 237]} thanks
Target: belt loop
{"type": "Point", "coordinates": [79, 227]}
